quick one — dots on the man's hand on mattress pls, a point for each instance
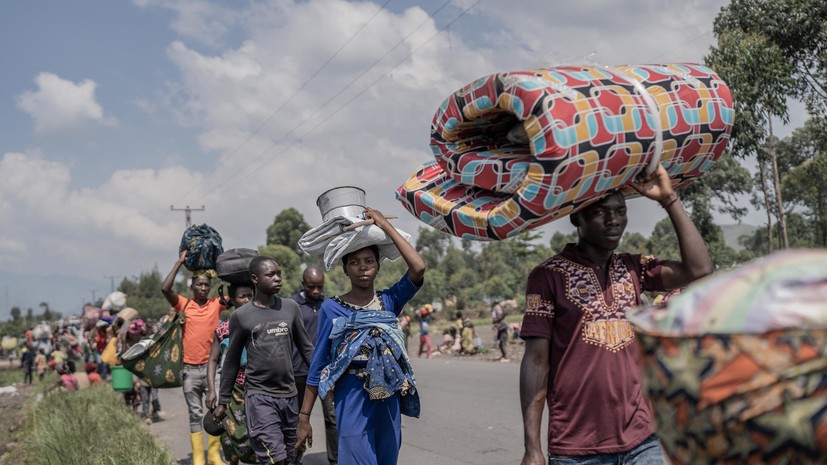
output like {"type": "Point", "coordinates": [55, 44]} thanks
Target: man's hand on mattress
{"type": "Point", "coordinates": [656, 185]}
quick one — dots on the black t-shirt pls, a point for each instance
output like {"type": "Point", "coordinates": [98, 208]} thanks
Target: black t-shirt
{"type": "Point", "coordinates": [268, 334]}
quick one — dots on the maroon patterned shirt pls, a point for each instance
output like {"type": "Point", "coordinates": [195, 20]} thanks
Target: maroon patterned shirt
{"type": "Point", "coordinates": [222, 331]}
{"type": "Point", "coordinates": [594, 398]}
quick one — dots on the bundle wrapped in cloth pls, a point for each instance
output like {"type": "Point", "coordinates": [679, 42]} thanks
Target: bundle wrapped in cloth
{"type": "Point", "coordinates": [517, 150]}
{"type": "Point", "coordinates": [203, 245]}
{"type": "Point", "coordinates": [735, 366]}
{"type": "Point", "coordinates": [344, 229]}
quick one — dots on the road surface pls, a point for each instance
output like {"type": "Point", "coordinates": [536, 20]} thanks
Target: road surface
{"type": "Point", "coordinates": [470, 416]}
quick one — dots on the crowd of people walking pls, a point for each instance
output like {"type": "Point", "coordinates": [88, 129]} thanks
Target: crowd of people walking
{"type": "Point", "coordinates": [252, 380]}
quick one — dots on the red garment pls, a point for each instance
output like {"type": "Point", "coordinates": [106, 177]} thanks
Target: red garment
{"type": "Point", "coordinates": [222, 331]}
{"type": "Point", "coordinates": [199, 324]}
{"type": "Point", "coordinates": [100, 341]}
{"type": "Point", "coordinates": [594, 397]}
{"type": "Point", "coordinates": [70, 382]}
{"type": "Point", "coordinates": [94, 378]}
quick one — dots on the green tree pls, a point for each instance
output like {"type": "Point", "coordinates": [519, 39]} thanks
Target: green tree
{"type": "Point", "coordinates": [664, 241]}
{"type": "Point", "coordinates": [432, 245]}
{"type": "Point", "coordinates": [760, 76]}
{"type": "Point", "coordinates": [47, 312]}
{"type": "Point", "coordinates": [798, 30]}
{"type": "Point", "coordinates": [29, 316]}
{"type": "Point", "coordinates": [288, 226]}
{"type": "Point", "coordinates": [290, 265]}
{"type": "Point", "coordinates": [801, 234]}
{"type": "Point", "coordinates": [559, 240]}
{"type": "Point", "coordinates": [144, 293]}
{"type": "Point", "coordinates": [15, 314]}
{"type": "Point", "coordinates": [806, 182]}
{"type": "Point", "coordinates": [718, 191]}
{"type": "Point", "coordinates": [635, 243]}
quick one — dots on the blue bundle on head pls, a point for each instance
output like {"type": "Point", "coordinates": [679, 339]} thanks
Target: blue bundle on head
{"type": "Point", "coordinates": [203, 246]}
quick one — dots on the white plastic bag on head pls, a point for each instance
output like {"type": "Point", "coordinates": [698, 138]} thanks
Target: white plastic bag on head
{"type": "Point", "coordinates": [328, 242]}
{"type": "Point", "coordinates": [115, 301]}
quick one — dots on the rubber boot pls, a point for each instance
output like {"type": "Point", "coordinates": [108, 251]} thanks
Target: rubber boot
{"type": "Point", "coordinates": [213, 449]}
{"type": "Point", "coordinates": [197, 442]}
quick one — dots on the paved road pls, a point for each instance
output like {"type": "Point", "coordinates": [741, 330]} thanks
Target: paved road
{"type": "Point", "coordinates": [470, 415]}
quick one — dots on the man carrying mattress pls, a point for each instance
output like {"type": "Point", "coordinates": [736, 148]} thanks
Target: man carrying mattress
{"type": "Point", "coordinates": [580, 358]}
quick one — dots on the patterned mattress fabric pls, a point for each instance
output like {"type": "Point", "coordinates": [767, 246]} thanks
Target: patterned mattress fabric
{"type": "Point", "coordinates": [516, 150]}
{"type": "Point", "coordinates": [735, 366]}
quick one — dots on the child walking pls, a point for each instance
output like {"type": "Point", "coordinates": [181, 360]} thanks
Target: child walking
{"type": "Point", "coordinates": [267, 327]}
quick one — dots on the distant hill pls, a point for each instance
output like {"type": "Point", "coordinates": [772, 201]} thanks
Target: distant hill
{"type": "Point", "coordinates": [732, 232]}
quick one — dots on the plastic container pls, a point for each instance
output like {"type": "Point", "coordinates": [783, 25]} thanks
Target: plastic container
{"type": "Point", "coordinates": [122, 379]}
{"type": "Point", "coordinates": [341, 201]}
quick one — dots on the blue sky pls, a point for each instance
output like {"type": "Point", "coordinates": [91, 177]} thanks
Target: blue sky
{"type": "Point", "coordinates": [114, 110]}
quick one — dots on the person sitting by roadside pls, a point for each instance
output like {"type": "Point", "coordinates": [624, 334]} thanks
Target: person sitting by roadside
{"type": "Point", "coordinates": [91, 369]}
{"type": "Point", "coordinates": [448, 337]}
{"type": "Point", "coordinates": [467, 335]}
{"type": "Point", "coordinates": [66, 380]}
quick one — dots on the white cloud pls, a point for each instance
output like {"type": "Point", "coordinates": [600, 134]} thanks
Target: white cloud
{"type": "Point", "coordinates": [40, 195]}
{"type": "Point", "coordinates": [197, 19]}
{"type": "Point", "coordinates": [9, 245]}
{"type": "Point", "coordinates": [60, 104]}
{"type": "Point", "coordinates": [231, 94]}
{"type": "Point", "coordinates": [633, 32]}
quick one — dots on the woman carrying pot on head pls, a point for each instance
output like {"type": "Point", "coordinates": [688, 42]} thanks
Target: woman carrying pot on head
{"type": "Point", "coordinates": [365, 360]}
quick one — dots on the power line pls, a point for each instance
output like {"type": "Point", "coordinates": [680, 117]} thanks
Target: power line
{"type": "Point", "coordinates": [187, 212]}
{"type": "Point", "coordinates": [679, 46]}
{"type": "Point", "coordinates": [111, 279]}
{"type": "Point", "coordinates": [358, 94]}
{"type": "Point", "coordinates": [232, 153]}
{"type": "Point", "coordinates": [217, 187]}
{"type": "Point", "coordinates": [431, 16]}
{"type": "Point", "coordinates": [223, 161]}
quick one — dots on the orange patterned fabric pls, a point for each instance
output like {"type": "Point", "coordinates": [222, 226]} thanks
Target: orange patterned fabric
{"type": "Point", "coordinates": [739, 398]}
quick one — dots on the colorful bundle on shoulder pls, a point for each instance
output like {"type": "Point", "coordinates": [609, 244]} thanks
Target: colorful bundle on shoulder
{"type": "Point", "coordinates": [517, 150]}
{"type": "Point", "coordinates": [203, 245]}
{"type": "Point", "coordinates": [735, 366]}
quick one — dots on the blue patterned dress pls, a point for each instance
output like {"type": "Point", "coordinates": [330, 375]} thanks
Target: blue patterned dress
{"type": "Point", "coordinates": [370, 431]}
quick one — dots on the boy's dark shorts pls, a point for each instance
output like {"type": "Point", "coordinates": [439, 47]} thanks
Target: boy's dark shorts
{"type": "Point", "coordinates": [271, 426]}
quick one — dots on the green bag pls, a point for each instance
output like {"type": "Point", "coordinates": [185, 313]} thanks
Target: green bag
{"type": "Point", "coordinates": [234, 441]}
{"type": "Point", "coordinates": [159, 360]}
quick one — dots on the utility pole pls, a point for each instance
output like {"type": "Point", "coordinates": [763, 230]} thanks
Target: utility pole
{"type": "Point", "coordinates": [111, 279]}
{"type": "Point", "coordinates": [187, 212]}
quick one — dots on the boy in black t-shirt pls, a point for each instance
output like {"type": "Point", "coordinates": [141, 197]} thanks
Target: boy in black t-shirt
{"type": "Point", "coordinates": [268, 327]}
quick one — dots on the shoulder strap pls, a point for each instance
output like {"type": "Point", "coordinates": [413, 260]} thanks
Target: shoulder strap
{"type": "Point", "coordinates": [182, 318]}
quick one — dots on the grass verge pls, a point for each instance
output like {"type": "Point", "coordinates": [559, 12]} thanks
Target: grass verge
{"type": "Point", "coordinates": [89, 427]}
{"type": "Point", "coordinates": [9, 376]}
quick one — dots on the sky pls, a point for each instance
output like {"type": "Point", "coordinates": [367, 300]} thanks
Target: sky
{"type": "Point", "coordinates": [113, 111]}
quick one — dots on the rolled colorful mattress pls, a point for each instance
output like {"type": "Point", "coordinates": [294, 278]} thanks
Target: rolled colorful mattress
{"type": "Point", "coordinates": [519, 149]}
{"type": "Point", "coordinates": [735, 366]}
